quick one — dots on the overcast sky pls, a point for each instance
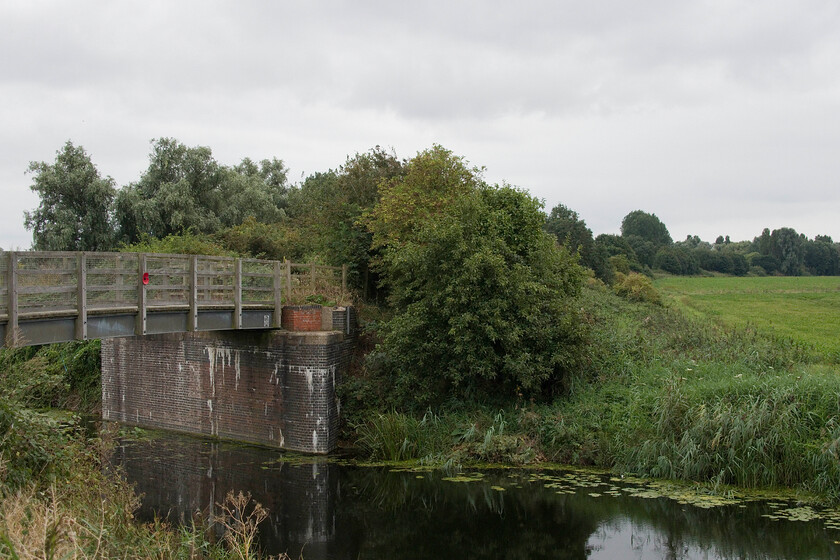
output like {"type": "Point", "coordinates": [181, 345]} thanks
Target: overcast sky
{"type": "Point", "coordinates": [721, 117]}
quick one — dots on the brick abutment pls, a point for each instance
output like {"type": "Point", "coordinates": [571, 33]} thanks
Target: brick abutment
{"type": "Point", "coordinates": [275, 388]}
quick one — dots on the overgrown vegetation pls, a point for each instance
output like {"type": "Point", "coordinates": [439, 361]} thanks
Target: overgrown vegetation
{"type": "Point", "coordinates": [54, 376]}
{"type": "Point", "coordinates": [662, 395]}
{"type": "Point", "coordinates": [481, 295]}
{"type": "Point", "coordinates": [57, 500]}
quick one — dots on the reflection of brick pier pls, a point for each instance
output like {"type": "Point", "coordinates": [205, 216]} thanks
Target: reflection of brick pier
{"type": "Point", "coordinates": [188, 476]}
{"type": "Point", "coordinates": [275, 388]}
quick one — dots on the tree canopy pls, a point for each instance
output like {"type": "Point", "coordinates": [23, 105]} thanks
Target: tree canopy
{"type": "Point", "coordinates": [186, 189]}
{"type": "Point", "coordinates": [569, 230]}
{"type": "Point", "coordinates": [646, 226]}
{"type": "Point", "coordinates": [74, 213]}
{"type": "Point", "coordinates": [481, 294]}
{"type": "Point", "coordinates": [327, 210]}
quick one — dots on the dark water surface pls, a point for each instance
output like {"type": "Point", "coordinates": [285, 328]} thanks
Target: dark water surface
{"type": "Point", "coordinates": [329, 509]}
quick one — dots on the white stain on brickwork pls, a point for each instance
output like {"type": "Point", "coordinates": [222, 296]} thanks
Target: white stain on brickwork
{"type": "Point", "coordinates": [282, 438]}
{"type": "Point", "coordinates": [275, 375]}
{"type": "Point", "coordinates": [236, 367]}
{"type": "Point", "coordinates": [308, 372]}
{"type": "Point", "coordinates": [314, 440]}
{"type": "Point", "coordinates": [214, 430]}
{"type": "Point", "coordinates": [224, 353]}
{"type": "Point", "coordinates": [221, 358]}
{"type": "Point", "coordinates": [211, 354]}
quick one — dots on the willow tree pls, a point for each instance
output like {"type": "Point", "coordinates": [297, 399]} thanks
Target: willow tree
{"type": "Point", "coordinates": [74, 213]}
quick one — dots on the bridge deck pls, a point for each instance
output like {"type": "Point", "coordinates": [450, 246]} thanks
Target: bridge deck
{"type": "Point", "coordinates": [48, 297]}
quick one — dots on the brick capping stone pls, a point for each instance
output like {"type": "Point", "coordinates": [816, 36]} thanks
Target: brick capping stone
{"type": "Point", "coordinates": [274, 388]}
{"type": "Point", "coordinates": [301, 318]}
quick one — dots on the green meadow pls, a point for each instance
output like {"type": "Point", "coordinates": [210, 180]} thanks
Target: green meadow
{"type": "Point", "coordinates": [804, 309]}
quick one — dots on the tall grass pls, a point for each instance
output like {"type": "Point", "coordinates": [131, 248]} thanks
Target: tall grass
{"type": "Point", "coordinates": [399, 437]}
{"type": "Point", "coordinates": [453, 438]}
{"type": "Point", "coordinates": [757, 433]}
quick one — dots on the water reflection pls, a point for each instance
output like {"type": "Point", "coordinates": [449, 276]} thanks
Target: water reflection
{"type": "Point", "coordinates": [330, 511]}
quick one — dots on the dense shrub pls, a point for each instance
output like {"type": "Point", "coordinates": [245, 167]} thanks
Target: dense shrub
{"type": "Point", "coordinates": [483, 297]}
{"type": "Point", "coordinates": [636, 287]}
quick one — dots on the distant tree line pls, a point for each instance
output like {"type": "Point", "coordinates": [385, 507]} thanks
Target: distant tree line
{"type": "Point", "coordinates": [645, 245]}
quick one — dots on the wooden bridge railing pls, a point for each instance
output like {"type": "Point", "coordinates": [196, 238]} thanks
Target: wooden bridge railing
{"type": "Point", "coordinates": [49, 285]}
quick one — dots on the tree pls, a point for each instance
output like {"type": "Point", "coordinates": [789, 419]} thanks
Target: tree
{"type": "Point", "coordinates": [676, 260]}
{"type": "Point", "coordinates": [616, 246]}
{"type": "Point", "coordinates": [75, 209]}
{"type": "Point", "coordinates": [787, 248]}
{"type": "Point", "coordinates": [821, 257]}
{"type": "Point", "coordinates": [764, 244]}
{"type": "Point", "coordinates": [253, 191]}
{"type": "Point", "coordinates": [432, 181]}
{"type": "Point", "coordinates": [481, 294]}
{"type": "Point", "coordinates": [186, 189]}
{"type": "Point", "coordinates": [569, 230]}
{"type": "Point", "coordinates": [692, 242]}
{"type": "Point", "coordinates": [644, 249]}
{"type": "Point", "coordinates": [328, 206]}
{"type": "Point", "coordinates": [767, 262]}
{"type": "Point", "coordinates": [646, 226]}
{"type": "Point", "coordinates": [179, 192]}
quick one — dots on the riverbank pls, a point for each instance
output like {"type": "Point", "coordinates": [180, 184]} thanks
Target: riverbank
{"type": "Point", "coordinates": [59, 498]}
{"type": "Point", "coordinates": [663, 395]}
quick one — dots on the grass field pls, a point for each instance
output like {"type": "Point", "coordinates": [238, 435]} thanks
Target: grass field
{"type": "Point", "coordinates": [806, 309]}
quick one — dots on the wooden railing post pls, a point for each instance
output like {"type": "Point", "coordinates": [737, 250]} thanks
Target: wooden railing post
{"type": "Point", "coordinates": [343, 279]}
{"type": "Point", "coordinates": [312, 274]}
{"type": "Point", "coordinates": [278, 301]}
{"type": "Point", "coordinates": [288, 280]}
{"type": "Point", "coordinates": [140, 327]}
{"type": "Point", "coordinates": [237, 294]}
{"type": "Point", "coordinates": [12, 333]}
{"type": "Point", "coordinates": [193, 318]}
{"type": "Point", "coordinates": [81, 297]}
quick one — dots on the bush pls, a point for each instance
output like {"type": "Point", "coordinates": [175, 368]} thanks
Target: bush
{"type": "Point", "coordinates": [64, 375]}
{"type": "Point", "coordinates": [262, 241]}
{"type": "Point", "coordinates": [179, 244]}
{"type": "Point", "coordinates": [483, 301]}
{"type": "Point", "coordinates": [636, 287]}
{"type": "Point", "coordinates": [483, 298]}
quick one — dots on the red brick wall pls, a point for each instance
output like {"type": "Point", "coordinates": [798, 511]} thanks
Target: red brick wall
{"type": "Point", "coordinates": [274, 388]}
{"type": "Point", "coordinates": [301, 318]}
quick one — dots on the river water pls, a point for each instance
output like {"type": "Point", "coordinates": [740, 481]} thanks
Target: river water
{"type": "Point", "coordinates": [332, 509]}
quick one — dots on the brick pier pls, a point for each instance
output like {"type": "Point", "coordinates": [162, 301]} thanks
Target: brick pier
{"type": "Point", "coordinates": [275, 388]}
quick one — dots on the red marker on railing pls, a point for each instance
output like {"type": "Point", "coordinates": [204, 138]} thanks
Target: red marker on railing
{"type": "Point", "coordinates": [145, 278]}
